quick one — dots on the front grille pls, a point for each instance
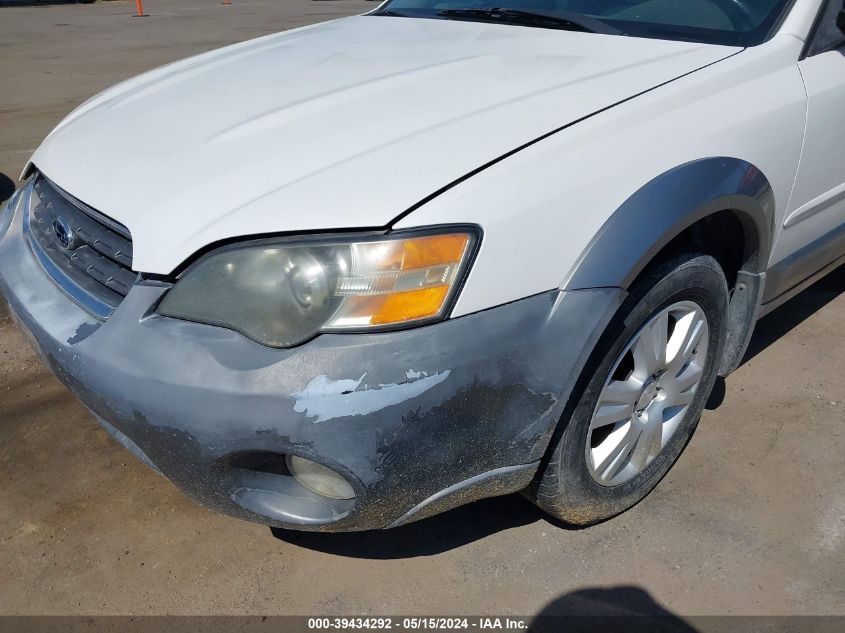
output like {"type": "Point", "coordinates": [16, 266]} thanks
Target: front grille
{"type": "Point", "coordinates": [87, 254]}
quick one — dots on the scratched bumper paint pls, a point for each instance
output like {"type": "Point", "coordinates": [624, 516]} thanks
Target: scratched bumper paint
{"type": "Point", "coordinates": [418, 421]}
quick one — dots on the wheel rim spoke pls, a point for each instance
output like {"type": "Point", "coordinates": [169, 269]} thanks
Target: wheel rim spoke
{"type": "Point", "coordinates": [622, 391]}
{"type": "Point", "coordinates": [683, 399]}
{"type": "Point", "coordinates": [636, 417]}
{"type": "Point", "coordinates": [687, 334]}
{"type": "Point", "coordinates": [688, 378]}
{"type": "Point", "coordinates": [609, 414]}
{"type": "Point", "coordinates": [650, 346]}
{"type": "Point", "coordinates": [649, 444]}
{"type": "Point", "coordinates": [617, 458]}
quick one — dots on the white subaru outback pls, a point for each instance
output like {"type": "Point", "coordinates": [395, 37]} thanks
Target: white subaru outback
{"type": "Point", "coordinates": [355, 274]}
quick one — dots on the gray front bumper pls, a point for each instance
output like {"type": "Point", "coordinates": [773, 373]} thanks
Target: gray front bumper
{"type": "Point", "coordinates": [418, 421]}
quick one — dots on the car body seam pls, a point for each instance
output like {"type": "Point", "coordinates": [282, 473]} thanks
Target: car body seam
{"type": "Point", "coordinates": [543, 137]}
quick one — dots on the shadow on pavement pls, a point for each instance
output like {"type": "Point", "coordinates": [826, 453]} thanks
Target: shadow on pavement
{"type": "Point", "coordinates": [435, 535]}
{"type": "Point", "coordinates": [624, 608]}
{"type": "Point", "coordinates": [779, 323]}
{"type": "Point", "coordinates": [717, 396]}
{"type": "Point", "coordinates": [484, 518]}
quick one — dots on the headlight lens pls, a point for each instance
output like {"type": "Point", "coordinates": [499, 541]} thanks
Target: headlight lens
{"type": "Point", "coordinates": [283, 293]}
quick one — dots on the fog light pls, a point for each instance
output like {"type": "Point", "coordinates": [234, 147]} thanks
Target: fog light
{"type": "Point", "coordinates": [319, 479]}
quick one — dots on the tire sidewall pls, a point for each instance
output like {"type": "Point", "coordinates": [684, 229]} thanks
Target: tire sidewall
{"type": "Point", "coordinates": [698, 279]}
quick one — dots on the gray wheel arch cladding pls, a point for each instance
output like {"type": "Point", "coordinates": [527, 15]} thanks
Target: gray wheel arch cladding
{"type": "Point", "coordinates": [672, 202]}
{"type": "Point", "coordinates": [666, 206]}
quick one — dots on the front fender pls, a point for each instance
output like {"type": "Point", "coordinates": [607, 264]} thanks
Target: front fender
{"type": "Point", "coordinates": [666, 206]}
{"type": "Point", "coordinates": [669, 204]}
{"type": "Point", "coordinates": [549, 211]}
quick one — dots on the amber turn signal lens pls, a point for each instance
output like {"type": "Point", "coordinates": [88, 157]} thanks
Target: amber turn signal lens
{"type": "Point", "coordinates": [400, 280]}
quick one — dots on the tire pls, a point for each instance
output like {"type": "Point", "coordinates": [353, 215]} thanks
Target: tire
{"type": "Point", "coordinates": [581, 483]}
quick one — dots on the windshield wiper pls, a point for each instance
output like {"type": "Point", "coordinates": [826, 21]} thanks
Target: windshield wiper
{"type": "Point", "coordinates": [389, 13]}
{"type": "Point", "coordinates": [568, 20]}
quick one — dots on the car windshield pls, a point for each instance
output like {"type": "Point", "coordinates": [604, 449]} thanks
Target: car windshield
{"type": "Point", "coordinates": [727, 22]}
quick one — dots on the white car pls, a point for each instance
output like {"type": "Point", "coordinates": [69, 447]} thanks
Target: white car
{"type": "Point", "coordinates": [351, 275]}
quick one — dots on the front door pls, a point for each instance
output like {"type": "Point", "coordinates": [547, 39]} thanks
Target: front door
{"type": "Point", "coordinates": [813, 233]}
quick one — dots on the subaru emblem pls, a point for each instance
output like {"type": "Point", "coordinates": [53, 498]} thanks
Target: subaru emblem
{"type": "Point", "coordinates": [64, 233]}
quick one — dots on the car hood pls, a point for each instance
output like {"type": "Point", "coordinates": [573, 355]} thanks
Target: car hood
{"type": "Point", "coordinates": [339, 125]}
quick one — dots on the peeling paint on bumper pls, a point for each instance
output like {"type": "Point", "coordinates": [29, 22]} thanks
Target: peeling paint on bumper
{"type": "Point", "coordinates": [418, 421]}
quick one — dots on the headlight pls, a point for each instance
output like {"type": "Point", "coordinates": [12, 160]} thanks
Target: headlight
{"type": "Point", "coordinates": [281, 293]}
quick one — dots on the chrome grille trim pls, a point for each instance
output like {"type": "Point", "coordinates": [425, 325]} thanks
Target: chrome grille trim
{"type": "Point", "coordinates": [96, 270]}
{"type": "Point", "coordinates": [93, 213]}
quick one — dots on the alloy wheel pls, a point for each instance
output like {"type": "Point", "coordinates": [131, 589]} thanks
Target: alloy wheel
{"type": "Point", "coordinates": [648, 392]}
